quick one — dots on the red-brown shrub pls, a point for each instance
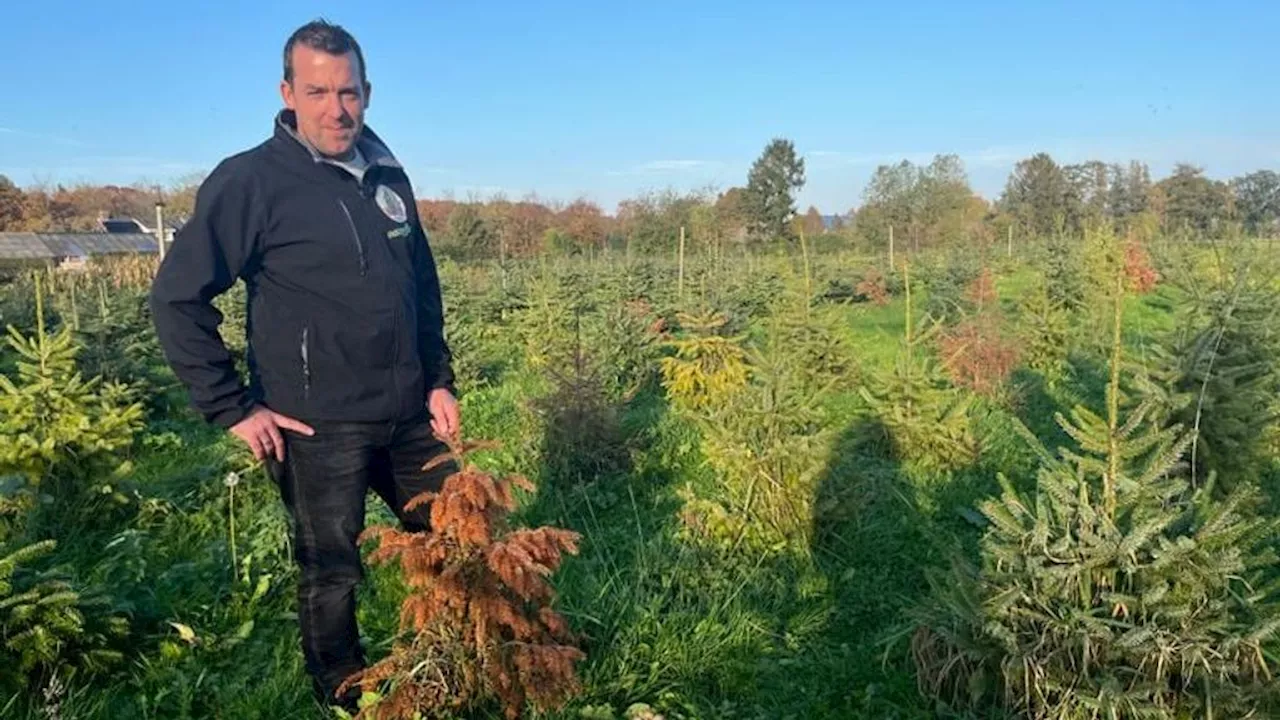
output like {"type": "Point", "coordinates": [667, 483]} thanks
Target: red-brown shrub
{"type": "Point", "coordinates": [1140, 276]}
{"type": "Point", "coordinates": [872, 287]}
{"type": "Point", "coordinates": [977, 355]}
{"type": "Point", "coordinates": [477, 620]}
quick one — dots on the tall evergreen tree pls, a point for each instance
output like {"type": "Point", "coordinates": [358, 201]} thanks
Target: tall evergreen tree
{"type": "Point", "coordinates": [1039, 195]}
{"type": "Point", "coordinates": [1129, 192]}
{"type": "Point", "coordinates": [1193, 201]}
{"type": "Point", "coordinates": [769, 198]}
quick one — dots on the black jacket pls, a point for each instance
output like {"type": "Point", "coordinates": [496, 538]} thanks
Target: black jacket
{"type": "Point", "coordinates": [344, 318]}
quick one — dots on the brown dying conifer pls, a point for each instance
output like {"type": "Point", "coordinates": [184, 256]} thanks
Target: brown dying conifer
{"type": "Point", "coordinates": [477, 621]}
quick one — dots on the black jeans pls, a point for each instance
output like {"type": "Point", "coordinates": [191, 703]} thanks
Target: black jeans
{"type": "Point", "coordinates": [323, 482]}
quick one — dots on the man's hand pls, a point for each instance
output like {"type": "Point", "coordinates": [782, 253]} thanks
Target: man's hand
{"type": "Point", "coordinates": [261, 432]}
{"type": "Point", "coordinates": [444, 413]}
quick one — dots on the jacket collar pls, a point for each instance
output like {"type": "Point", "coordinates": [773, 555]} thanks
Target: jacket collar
{"type": "Point", "coordinates": [375, 151]}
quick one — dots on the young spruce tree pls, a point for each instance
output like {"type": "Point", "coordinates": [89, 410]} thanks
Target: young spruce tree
{"type": "Point", "coordinates": [1114, 588]}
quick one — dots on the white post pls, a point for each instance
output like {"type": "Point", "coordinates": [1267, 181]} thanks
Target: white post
{"type": "Point", "coordinates": [160, 228]}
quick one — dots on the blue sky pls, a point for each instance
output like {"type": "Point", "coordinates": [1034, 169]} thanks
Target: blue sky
{"type": "Point", "coordinates": [609, 99]}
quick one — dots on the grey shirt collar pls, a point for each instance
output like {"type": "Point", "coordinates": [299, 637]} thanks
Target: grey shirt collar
{"type": "Point", "coordinates": [370, 145]}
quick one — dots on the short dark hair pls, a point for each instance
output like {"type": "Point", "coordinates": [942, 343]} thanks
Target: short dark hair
{"type": "Point", "coordinates": [326, 37]}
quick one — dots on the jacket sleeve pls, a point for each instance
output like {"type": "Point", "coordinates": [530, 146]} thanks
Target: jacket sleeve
{"type": "Point", "coordinates": [433, 348]}
{"type": "Point", "coordinates": [208, 255]}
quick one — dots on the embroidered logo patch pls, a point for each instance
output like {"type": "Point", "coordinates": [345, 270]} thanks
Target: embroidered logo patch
{"type": "Point", "coordinates": [391, 204]}
{"type": "Point", "coordinates": [399, 231]}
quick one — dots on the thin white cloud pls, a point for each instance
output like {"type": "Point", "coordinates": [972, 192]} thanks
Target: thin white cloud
{"type": "Point", "coordinates": [1154, 152]}
{"type": "Point", "coordinates": [478, 193]}
{"type": "Point", "coordinates": [117, 170]}
{"type": "Point", "coordinates": [41, 136]}
{"type": "Point", "coordinates": [994, 157]}
{"type": "Point", "coordinates": [666, 165]}
{"type": "Point", "coordinates": [135, 162]}
{"type": "Point", "coordinates": [657, 167]}
{"type": "Point", "coordinates": [985, 157]}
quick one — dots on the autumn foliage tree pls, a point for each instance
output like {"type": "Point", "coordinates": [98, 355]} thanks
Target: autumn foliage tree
{"type": "Point", "coordinates": [520, 226]}
{"type": "Point", "coordinates": [11, 205]}
{"type": "Point", "coordinates": [730, 207]}
{"type": "Point", "coordinates": [582, 221]}
{"type": "Point", "coordinates": [811, 222]}
{"type": "Point", "coordinates": [476, 623]}
{"type": "Point", "coordinates": [78, 208]}
{"type": "Point", "coordinates": [434, 215]}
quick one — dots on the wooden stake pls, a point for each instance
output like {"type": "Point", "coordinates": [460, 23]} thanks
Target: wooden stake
{"type": "Point", "coordinates": [40, 339]}
{"type": "Point", "coordinates": [75, 311]}
{"type": "Point", "coordinates": [890, 247]}
{"type": "Point", "coordinates": [906, 279]}
{"type": "Point", "coordinates": [808, 283]}
{"type": "Point", "coordinates": [680, 281]}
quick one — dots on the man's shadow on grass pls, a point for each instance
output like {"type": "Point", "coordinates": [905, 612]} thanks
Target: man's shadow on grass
{"type": "Point", "coordinates": [603, 475]}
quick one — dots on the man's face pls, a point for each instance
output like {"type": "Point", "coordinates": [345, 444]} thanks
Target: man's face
{"type": "Point", "coordinates": [328, 98]}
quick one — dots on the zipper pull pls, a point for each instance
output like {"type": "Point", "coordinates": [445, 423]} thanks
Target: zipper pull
{"type": "Point", "coordinates": [306, 364]}
{"type": "Point", "coordinates": [355, 234]}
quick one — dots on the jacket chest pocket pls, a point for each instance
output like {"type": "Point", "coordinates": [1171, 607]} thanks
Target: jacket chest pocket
{"type": "Point", "coordinates": [376, 237]}
{"type": "Point", "coordinates": [353, 228]}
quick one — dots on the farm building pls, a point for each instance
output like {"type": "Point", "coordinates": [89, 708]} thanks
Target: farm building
{"type": "Point", "coordinates": [118, 236]}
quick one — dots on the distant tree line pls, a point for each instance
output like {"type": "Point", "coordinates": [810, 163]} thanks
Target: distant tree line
{"type": "Point", "coordinates": [934, 205]}
{"type": "Point", "coordinates": [919, 206]}
{"type": "Point", "coordinates": [45, 208]}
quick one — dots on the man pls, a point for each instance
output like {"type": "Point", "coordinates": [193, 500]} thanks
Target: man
{"type": "Point", "coordinates": [350, 383]}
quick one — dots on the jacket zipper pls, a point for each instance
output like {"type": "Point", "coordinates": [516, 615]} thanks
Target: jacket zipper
{"type": "Point", "coordinates": [306, 366]}
{"type": "Point", "coordinates": [395, 382]}
{"type": "Point", "coordinates": [364, 267]}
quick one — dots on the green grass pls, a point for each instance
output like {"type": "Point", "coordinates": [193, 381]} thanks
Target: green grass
{"type": "Point", "coordinates": [695, 631]}
{"type": "Point", "coordinates": [692, 629]}
{"type": "Point", "coordinates": [876, 333]}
